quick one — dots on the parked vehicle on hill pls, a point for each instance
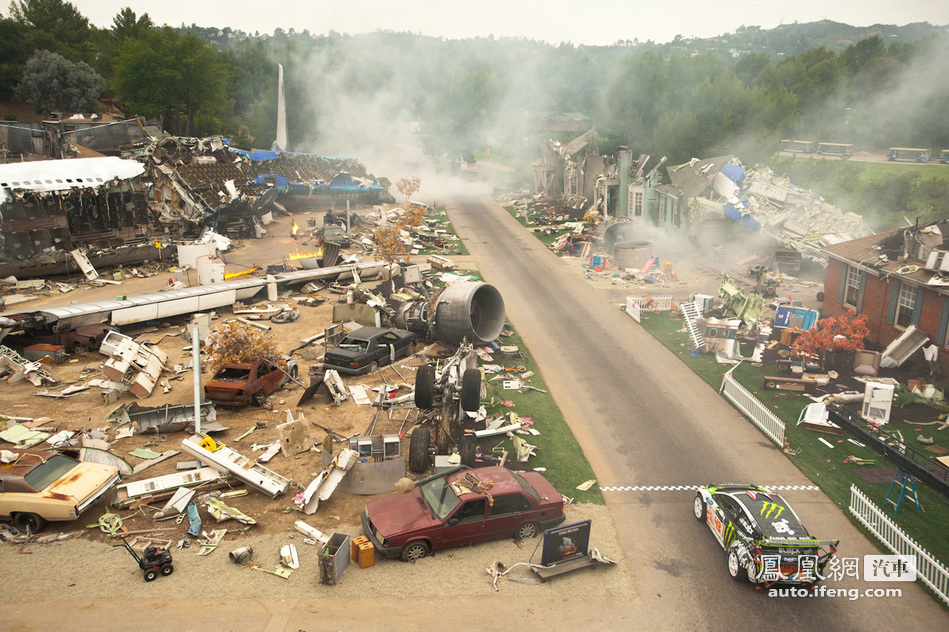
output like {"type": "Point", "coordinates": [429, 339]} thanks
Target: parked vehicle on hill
{"type": "Point", "coordinates": [38, 487]}
{"type": "Point", "coordinates": [459, 507]}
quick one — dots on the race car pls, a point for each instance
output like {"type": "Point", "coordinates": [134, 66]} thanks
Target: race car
{"type": "Point", "coordinates": [763, 538]}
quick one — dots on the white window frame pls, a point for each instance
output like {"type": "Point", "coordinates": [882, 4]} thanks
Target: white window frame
{"type": "Point", "coordinates": [905, 306]}
{"type": "Point", "coordinates": [852, 290]}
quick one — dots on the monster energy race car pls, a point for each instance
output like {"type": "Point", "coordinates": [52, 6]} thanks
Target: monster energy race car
{"type": "Point", "coordinates": [763, 538]}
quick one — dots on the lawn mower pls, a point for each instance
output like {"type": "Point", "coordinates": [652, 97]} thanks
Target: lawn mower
{"type": "Point", "coordinates": [156, 560]}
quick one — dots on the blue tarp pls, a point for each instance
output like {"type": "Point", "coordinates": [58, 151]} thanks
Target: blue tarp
{"type": "Point", "coordinates": [742, 218]}
{"type": "Point", "coordinates": [735, 173]}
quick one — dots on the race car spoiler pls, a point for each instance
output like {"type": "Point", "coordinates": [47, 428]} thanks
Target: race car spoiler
{"type": "Point", "coordinates": [798, 542]}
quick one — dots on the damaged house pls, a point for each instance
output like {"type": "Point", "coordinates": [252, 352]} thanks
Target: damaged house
{"type": "Point", "coordinates": [569, 171]}
{"type": "Point", "coordinates": [899, 279]}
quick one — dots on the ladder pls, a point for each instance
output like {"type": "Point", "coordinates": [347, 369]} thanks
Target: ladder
{"type": "Point", "coordinates": [690, 313]}
{"type": "Point", "coordinates": [905, 480]}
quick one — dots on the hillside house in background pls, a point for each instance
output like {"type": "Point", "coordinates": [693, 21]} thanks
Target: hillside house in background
{"type": "Point", "coordinates": [900, 280]}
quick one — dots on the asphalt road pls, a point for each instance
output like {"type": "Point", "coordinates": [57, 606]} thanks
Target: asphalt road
{"type": "Point", "coordinates": [644, 419]}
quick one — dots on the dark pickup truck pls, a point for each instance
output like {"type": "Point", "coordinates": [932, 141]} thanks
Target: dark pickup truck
{"type": "Point", "coordinates": [368, 348]}
{"type": "Point", "coordinates": [248, 382]}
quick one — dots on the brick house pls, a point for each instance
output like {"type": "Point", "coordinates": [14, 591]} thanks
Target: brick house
{"type": "Point", "coordinates": [898, 279]}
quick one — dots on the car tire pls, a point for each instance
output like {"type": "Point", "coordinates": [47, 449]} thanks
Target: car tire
{"type": "Point", "coordinates": [425, 386]}
{"type": "Point", "coordinates": [294, 371]}
{"type": "Point", "coordinates": [167, 570]}
{"type": "Point", "coordinates": [410, 350]}
{"type": "Point", "coordinates": [698, 508]}
{"type": "Point", "coordinates": [419, 443]}
{"type": "Point", "coordinates": [414, 551]}
{"type": "Point", "coordinates": [26, 522]}
{"type": "Point", "coordinates": [151, 574]}
{"type": "Point", "coordinates": [260, 399]}
{"type": "Point", "coordinates": [527, 531]}
{"type": "Point", "coordinates": [735, 569]}
{"type": "Point", "coordinates": [467, 450]}
{"type": "Point", "coordinates": [79, 348]}
{"type": "Point", "coordinates": [471, 390]}
{"type": "Point", "coordinates": [373, 367]}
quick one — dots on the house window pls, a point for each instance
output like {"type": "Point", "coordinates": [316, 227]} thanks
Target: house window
{"type": "Point", "coordinates": [637, 203]}
{"type": "Point", "coordinates": [906, 306]}
{"type": "Point", "coordinates": [852, 291]}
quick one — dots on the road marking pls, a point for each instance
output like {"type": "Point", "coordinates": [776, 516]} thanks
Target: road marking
{"type": "Point", "coordinates": [692, 488]}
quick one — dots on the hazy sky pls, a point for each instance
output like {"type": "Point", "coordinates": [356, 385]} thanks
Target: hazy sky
{"type": "Point", "coordinates": [552, 21]}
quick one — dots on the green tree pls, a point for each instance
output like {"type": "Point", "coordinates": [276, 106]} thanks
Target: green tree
{"type": "Point", "coordinates": [126, 24]}
{"type": "Point", "coordinates": [174, 76]}
{"type": "Point", "coordinates": [14, 53]}
{"type": "Point", "coordinates": [55, 26]}
{"type": "Point", "coordinates": [53, 83]}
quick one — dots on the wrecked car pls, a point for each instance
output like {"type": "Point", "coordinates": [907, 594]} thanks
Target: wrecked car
{"type": "Point", "coordinates": [37, 487]}
{"type": "Point", "coordinates": [368, 348]}
{"type": "Point", "coordinates": [248, 382]}
{"type": "Point", "coordinates": [764, 540]}
{"type": "Point", "coordinates": [462, 506]}
{"type": "Point", "coordinates": [335, 235]}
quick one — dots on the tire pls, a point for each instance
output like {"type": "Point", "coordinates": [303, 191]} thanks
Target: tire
{"type": "Point", "coordinates": [414, 551]}
{"type": "Point", "coordinates": [425, 386]}
{"type": "Point", "coordinates": [260, 399]}
{"type": "Point", "coordinates": [28, 523]}
{"type": "Point", "coordinates": [527, 531]}
{"type": "Point", "coordinates": [167, 570]}
{"type": "Point", "coordinates": [294, 371]}
{"type": "Point", "coordinates": [151, 574]}
{"type": "Point", "coordinates": [373, 367]}
{"type": "Point", "coordinates": [467, 450]}
{"type": "Point", "coordinates": [410, 351]}
{"type": "Point", "coordinates": [80, 348]}
{"type": "Point", "coordinates": [698, 508]}
{"type": "Point", "coordinates": [471, 390]}
{"type": "Point", "coordinates": [418, 450]}
{"type": "Point", "coordinates": [735, 569]}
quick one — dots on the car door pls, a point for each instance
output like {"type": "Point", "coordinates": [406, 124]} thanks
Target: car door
{"type": "Point", "coordinates": [715, 517]}
{"type": "Point", "coordinates": [506, 514]}
{"type": "Point", "coordinates": [466, 525]}
{"type": "Point", "coordinates": [387, 347]}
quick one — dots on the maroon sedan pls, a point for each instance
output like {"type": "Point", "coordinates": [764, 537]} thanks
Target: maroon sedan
{"type": "Point", "coordinates": [461, 507]}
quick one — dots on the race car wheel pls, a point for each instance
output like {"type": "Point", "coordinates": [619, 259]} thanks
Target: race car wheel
{"type": "Point", "coordinates": [735, 569]}
{"type": "Point", "coordinates": [425, 386]}
{"type": "Point", "coordinates": [698, 508]}
{"type": "Point", "coordinates": [414, 551]}
{"type": "Point", "coordinates": [418, 450]}
{"type": "Point", "coordinates": [471, 390]}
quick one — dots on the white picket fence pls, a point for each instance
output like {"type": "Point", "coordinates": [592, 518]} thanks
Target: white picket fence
{"type": "Point", "coordinates": [929, 570]}
{"type": "Point", "coordinates": [651, 303]}
{"type": "Point", "coordinates": [753, 409]}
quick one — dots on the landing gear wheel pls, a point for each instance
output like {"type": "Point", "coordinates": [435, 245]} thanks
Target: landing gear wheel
{"type": "Point", "coordinates": [467, 450]}
{"type": "Point", "coordinates": [527, 531]}
{"type": "Point", "coordinates": [418, 450]}
{"type": "Point", "coordinates": [425, 386]}
{"type": "Point", "coordinates": [698, 508]}
{"type": "Point", "coordinates": [151, 574]}
{"type": "Point", "coordinates": [414, 551]}
{"type": "Point", "coordinates": [471, 390]}
{"type": "Point", "coordinates": [167, 570]}
{"type": "Point", "coordinates": [28, 523]}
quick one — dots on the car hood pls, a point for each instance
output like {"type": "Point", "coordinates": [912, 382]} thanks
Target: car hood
{"type": "Point", "coordinates": [399, 513]}
{"type": "Point", "coordinates": [83, 481]}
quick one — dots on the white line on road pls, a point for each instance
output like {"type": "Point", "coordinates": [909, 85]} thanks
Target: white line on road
{"type": "Point", "coordinates": [692, 488]}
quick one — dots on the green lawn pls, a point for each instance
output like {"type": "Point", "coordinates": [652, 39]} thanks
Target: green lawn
{"type": "Point", "coordinates": [829, 468]}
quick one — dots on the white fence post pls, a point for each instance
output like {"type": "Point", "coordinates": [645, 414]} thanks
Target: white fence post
{"type": "Point", "coordinates": [757, 412]}
{"type": "Point", "coordinates": [929, 570]}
